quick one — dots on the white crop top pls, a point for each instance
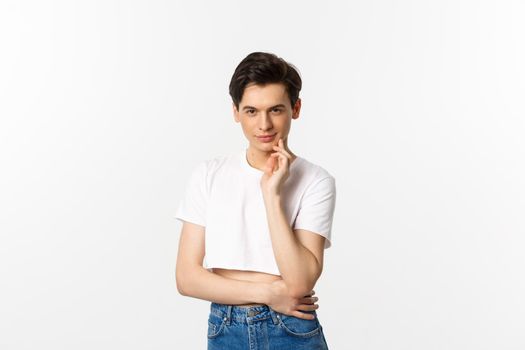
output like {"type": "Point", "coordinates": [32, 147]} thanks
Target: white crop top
{"type": "Point", "coordinates": [223, 194]}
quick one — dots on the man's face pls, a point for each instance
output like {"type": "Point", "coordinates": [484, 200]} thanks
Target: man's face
{"type": "Point", "coordinates": [266, 110]}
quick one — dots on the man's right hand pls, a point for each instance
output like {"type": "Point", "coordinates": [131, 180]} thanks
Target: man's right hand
{"type": "Point", "coordinates": [280, 300]}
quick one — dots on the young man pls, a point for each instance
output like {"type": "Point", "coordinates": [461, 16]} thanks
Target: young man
{"type": "Point", "coordinates": [260, 219]}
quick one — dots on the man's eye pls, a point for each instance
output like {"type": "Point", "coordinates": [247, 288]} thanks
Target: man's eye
{"type": "Point", "coordinates": [250, 111]}
{"type": "Point", "coordinates": [278, 110]}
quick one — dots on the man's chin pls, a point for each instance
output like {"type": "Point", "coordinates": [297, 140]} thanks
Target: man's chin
{"type": "Point", "coordinates": [264, 146]}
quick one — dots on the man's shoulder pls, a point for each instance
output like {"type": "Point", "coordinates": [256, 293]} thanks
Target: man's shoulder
{"type": "Point", "coordinates": [317, 170]}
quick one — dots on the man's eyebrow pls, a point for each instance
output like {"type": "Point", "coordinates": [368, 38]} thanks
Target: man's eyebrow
{"type": "Point", "coordinates": [272, 107]}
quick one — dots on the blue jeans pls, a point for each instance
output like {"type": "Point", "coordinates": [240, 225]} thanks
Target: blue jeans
{"type": "Point", "coordinates": [234, 327]}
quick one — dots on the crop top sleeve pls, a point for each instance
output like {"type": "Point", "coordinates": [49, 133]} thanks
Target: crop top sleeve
{"type": "Point", "coordinates": [317, 209]}
{"type": "Point", "coordinates": [192, 207]}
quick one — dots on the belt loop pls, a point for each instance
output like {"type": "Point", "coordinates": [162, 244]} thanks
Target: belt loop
{"type": "Point", "coordinates": [229, 314]}
{"type": "Point", "coordinates": [275, 317]}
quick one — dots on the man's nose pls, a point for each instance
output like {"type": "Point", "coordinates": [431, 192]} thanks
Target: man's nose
{"type": "Point", "coordinates": [265, 122]}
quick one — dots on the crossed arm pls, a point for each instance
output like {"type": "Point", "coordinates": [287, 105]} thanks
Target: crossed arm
{"type": "Point", "coordinates": [194, 280]}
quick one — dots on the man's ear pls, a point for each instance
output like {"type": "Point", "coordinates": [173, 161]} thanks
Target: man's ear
{"type": "Point", "coordinates": [296, 109]}
{"type": "Point", "coordinates": [235, 113]}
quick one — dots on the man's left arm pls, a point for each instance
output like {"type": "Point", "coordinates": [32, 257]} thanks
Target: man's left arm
{"type": "Point", "coordinates": [298, 253]}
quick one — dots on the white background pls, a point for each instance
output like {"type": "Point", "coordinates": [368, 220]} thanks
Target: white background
{"type": "Point", "coordinates": [416, 108]}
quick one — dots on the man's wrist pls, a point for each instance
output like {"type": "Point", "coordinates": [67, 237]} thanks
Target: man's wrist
{"type": "Point", "coordinates": [263, 293]}
{"type": "Point", "coordinates": [272, 199]}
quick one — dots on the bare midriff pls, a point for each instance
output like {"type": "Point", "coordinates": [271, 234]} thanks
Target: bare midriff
{"type": "Point", "coordinates": [252, 276]}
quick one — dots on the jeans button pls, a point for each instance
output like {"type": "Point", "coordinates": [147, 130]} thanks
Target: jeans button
{"type": "Point", "coordinates": [252, 313]}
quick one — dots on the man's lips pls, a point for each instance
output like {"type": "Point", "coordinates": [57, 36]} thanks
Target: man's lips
{"type": "Point", "coordinates": [267, 138]}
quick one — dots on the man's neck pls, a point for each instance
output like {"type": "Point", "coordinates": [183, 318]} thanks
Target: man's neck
{"type": "Point", "coordinates": [257, 159]}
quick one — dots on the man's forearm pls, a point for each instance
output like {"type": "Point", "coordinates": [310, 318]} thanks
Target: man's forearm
{"type": "Point", "coordinates": [202, 284]}
{"type": "Point", "coordinates": [297, 265]}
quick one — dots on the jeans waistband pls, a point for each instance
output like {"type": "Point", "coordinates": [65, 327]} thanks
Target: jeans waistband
{"type": "Point", "coordinates": [244, 314]}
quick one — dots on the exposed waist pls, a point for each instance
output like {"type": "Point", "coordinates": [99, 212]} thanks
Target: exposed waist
{"type": "Point", "coordinates": [246, 275]}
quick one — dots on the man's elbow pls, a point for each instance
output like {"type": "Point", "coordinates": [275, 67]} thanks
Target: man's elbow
{"type": "Point", "coordinates": [300, 291]}
{"type": "Point", "coordinates": [180, 286]}
{"type": "Point", "coordinates": [302, 288]}
{"type": "Point", "coordinates": [184, 280]}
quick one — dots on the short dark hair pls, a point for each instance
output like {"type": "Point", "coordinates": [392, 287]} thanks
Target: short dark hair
{"type": "Point", "coordinates": [262, 68]}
